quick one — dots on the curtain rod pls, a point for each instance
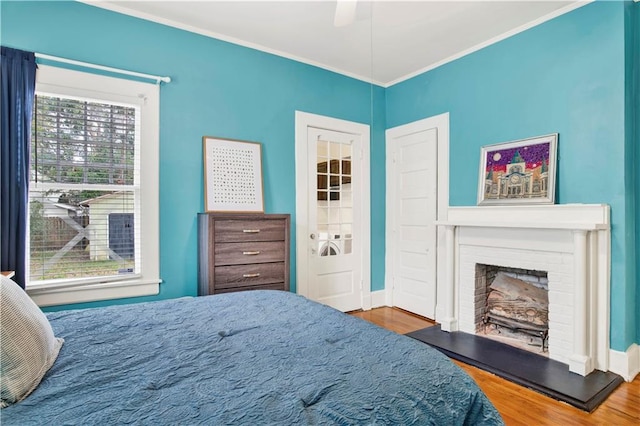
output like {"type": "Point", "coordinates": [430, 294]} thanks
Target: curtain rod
{"type": "Point", "coordinates": [157, 78]}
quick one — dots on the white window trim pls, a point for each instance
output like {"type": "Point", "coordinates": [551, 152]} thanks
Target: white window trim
{"type": "Point", "coordinates": [80, 84]}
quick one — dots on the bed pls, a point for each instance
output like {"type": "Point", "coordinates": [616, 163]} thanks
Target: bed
{"type": "Point", "coordinates": [255, 357]}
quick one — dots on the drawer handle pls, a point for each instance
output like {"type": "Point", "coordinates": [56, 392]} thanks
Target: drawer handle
{"type": "Point", "coordinates": [250, 231]}
{"type": "Point", "coordinates": [250, 275]}
{"type": "Point", "coordinates": [250, 253]}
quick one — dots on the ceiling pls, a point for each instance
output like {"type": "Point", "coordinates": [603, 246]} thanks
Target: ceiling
{"type": "Point", "coordinates": [388, 41]}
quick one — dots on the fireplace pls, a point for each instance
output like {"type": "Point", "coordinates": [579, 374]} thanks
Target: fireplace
{"type": "Point", "coordinates": [512, 306]}
{"type": "Point", "coordinates": [570, 243]}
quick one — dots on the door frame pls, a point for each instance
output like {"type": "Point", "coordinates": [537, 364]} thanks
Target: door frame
{"type": "Point", "coordinates": [304, 120]}
{"type": "Point", "coordinates": [441, 124]}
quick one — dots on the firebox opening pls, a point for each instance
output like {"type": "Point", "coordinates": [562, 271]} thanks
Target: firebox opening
{"type": "Point", "coordinates": [512, 306]}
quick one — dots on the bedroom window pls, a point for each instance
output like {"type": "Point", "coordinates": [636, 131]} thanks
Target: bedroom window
{"type": "Point", "coordinates": [93, 196]}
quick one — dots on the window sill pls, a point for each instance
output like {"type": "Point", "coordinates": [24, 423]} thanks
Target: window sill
{"type": "Point", "coordinates": [44, 295]}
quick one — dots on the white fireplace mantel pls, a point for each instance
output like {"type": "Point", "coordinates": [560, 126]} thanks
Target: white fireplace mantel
{"type": "Point", "coordinates": [578, 234]}
{"type": "Point", "coordinates": [589, 217]}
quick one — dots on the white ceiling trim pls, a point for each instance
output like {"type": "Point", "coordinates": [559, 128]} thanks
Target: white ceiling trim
{"type": "Point", "coordinates": [496, 39]}
{"type": "Point", "coordinates": [368, 79]}
{"type": "Point", "coordinates": [171, 23]}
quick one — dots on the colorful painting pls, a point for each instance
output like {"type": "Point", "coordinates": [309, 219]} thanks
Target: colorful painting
{"type": "Point", "coordinates": [519, 172]}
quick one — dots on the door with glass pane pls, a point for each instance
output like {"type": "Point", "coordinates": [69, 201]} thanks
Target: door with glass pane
{"type": "Point", "coordinates": [334, 204]}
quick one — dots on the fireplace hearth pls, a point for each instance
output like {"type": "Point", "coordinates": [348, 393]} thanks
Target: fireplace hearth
{"type": "Point", "coordinates": [525, 368]}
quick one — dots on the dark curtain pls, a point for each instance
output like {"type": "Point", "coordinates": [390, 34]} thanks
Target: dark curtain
{"type": "Point", "coordinates": [18, 83]}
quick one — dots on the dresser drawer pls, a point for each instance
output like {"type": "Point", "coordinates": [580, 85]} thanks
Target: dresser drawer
{"type": "Point", "coordinates": [249, 275]}
{"type": "Point", "coordinates": [275, 286]}
{"type": "Point", "coordinates": [249, 230]}
{"type": "Point", "coordinates": [244, 253]}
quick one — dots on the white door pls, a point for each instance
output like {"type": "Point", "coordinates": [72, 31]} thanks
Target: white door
{"type": "Point", "coordinates": [330, 249]}
{"type": "Point", "coordinates": [412, 210]}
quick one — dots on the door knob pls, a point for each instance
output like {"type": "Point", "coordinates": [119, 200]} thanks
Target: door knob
{"type": "Point", "coordinates": [312, 236]}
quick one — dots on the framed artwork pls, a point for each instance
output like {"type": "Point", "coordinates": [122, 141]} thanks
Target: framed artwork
{"type": "Point", "coordinates": [232, 175]}
{"type": "Point", "coordinates": [518, 172]}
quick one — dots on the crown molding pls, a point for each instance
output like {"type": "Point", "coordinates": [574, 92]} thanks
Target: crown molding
{"type": "Point", "coordinates": [569, 8]}
{"type": "Point", "coordinates": [120, 8]}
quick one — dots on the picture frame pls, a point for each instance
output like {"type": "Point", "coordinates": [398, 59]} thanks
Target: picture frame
{"type": "Point", "coordinates": [232, 175]}
{"type": "Point", "coordinates": [518, 172]}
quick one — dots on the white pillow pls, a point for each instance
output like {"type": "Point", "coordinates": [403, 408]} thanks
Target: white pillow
{"type": "Point", "coordinates": [29, 347]}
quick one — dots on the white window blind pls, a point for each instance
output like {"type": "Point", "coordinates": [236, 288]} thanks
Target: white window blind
{"type": "Point", "coordinates": [94, 188]}
{"type": "Point", "coordinates": [85, 180]}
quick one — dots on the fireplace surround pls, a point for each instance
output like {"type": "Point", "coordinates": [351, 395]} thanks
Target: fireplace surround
{"type": "Point", "coordinates": [571, 242]}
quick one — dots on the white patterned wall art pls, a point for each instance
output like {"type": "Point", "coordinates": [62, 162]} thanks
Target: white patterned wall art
{"type": "Point", "coordinates": [233, 175]}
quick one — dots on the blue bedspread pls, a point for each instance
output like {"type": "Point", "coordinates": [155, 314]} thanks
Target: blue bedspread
{"type": "Point", "coordinates": [258, 357]}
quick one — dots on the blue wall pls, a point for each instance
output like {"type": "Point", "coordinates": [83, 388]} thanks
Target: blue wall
{"type": "Point", "coordinates": [634, 41]}
{"type": "Point", "coordinates": [631, 153]}
{"type": "Point", "coordinates": [218, 89]}
{"type": "Point", "coordinates": [567, 76]}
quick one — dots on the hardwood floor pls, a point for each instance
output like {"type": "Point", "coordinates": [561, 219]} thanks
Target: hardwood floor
{"type": "Point", "coordinates": [519, 405]}
{"type": "Point", "coordinates": [394, 319]}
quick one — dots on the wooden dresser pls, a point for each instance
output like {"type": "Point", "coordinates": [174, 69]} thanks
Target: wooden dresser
{"type": "Point", "coordinates": [238, 252]}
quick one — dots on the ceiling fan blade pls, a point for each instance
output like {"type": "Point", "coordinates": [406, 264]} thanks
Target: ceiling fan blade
{"type": "Point", "coordinates": [345, 12]}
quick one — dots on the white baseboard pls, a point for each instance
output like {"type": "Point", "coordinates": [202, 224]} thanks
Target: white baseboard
{"type": "Point", "coordinates": [626, 364]}
{"type": "Point", "coordinates": [378, 298]}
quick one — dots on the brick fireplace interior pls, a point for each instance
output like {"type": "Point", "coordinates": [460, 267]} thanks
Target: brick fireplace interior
{"type": "Point", "coordinates": [512, 306]}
